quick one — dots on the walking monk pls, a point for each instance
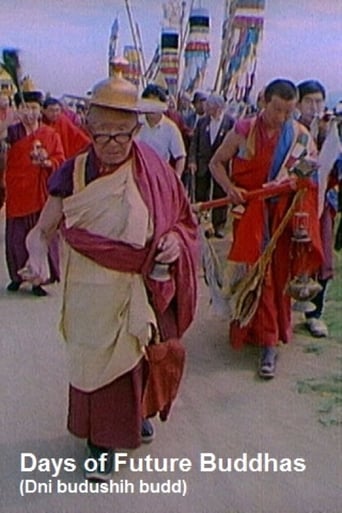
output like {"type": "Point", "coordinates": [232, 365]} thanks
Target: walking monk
{"type": "Point", "coordinates": [311, 103]}
{"type": "Point", "coordinates": [261, 150]}
{"type": "Point", "coordinates": [73, 138]}
{"type": "Point", "coordinates": [34, 152]}
{"type": "Point", "coordinates": [122, 209]}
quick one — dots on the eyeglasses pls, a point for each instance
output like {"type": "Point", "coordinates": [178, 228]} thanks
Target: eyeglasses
{"type": "Point", "coordinates": [119, 137]}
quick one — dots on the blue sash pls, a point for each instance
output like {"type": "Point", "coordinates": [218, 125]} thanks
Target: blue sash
{"type": "Point", "coordinates": [280, 153]}
{"type": "Point", "coordinates": [282, 149]}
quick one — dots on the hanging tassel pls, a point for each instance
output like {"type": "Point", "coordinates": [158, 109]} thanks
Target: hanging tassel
{"type": "Point", "coordinates": [11, 65]}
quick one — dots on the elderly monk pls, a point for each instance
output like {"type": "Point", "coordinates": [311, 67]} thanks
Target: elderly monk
{"type": "Point", "coordinates": [121, 209]}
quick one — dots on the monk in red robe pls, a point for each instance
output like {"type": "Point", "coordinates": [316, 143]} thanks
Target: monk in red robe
{"type": "Point", "coordinates": [123, 212]}
{"type": "Point", "coordinates": [260, 150]}
{"type": "Point", "coordinates": [34, 152]}
{"type": "Point", "coordinates": [73, 138]}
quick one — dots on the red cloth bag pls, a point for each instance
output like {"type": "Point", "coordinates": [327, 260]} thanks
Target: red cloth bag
{"type": "Point", "coordinates": [166, 362]}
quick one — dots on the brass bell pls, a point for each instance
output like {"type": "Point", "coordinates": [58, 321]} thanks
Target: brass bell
{"type": "Point", "coordinates": [160, 272]}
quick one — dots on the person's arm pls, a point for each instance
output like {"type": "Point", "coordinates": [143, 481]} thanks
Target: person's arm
{"type": "Point", "coordinates": [10, 119]}
{"type": "Point", "coordinates": [219, 163]}
{"type": "Point", "coordinates": [36, 269]}
{"type": "Point", "coordinates": [179, 166]}
{"type": "Point", "coordinates": [2, 173]}
{"type": "Point", "coordinates": [177, 149]}
{"type": "Point", "coordinates": [193, 149]}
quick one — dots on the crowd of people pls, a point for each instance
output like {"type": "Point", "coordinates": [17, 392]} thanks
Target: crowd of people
{"type": "Point", "coordinates": [115, 194]}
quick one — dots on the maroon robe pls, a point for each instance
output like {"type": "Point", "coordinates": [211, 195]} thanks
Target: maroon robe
{"type": "Point", "coordinates": [111, 416]}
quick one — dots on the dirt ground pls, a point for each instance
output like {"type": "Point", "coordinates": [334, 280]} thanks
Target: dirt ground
{"type": "Point", "coordinates": [223, 410]}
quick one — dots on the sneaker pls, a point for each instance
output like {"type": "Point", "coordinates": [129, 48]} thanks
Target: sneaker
{"type": "Point", "coordinates": [13, 286]}
{"type": "Point", "coordinates": [100, 474]}
{"type": "Point", "coordinates": [317, 327]}
{"type": "Point", "coordinates": [219, 234]}
{"type": "Point", "coordinates": [268, 362]}
{"type": "Point", "coordinates": [38, 291]}
{"type": "Point", "coordinates": [147, 431]}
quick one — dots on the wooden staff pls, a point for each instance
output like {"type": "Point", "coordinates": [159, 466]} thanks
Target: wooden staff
{"type": "Point", "coordinates": [247, 292]}
{"type": "Point", "coordinates": [135, 38]}
{"type": "Point", "coordinates": [261, 194]}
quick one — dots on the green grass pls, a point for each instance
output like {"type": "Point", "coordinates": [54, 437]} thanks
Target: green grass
{"type": "Point", "coordinates": [329, 388]}
{"type": "Point", "coordinates": [333, 308]}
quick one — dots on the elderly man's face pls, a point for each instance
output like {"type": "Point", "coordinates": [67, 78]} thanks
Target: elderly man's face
{"type": "Point", "coordinates": [213, 109]}
{"type": "Point", "coordinates": [111, 131]}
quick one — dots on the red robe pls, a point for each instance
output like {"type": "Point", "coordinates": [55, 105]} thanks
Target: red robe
{"type": "Point", "coordinates": [272, 320]}
{"type": "Point", "coordinates": [74, 139]}
{"type": "Point", "coordinates": [26, 183]}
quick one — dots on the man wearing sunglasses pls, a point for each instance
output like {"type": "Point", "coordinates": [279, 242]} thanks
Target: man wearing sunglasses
{"type": "Point", "coordinates": [121, 209]}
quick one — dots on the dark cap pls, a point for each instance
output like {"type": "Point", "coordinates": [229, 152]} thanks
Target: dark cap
{"type": "Point", "coordinates": [51, 101]}
{"type": "Point", "coordinates": [29, 96]}
{"type": "Point", "coordinates": [199, 97]}
{"type": "Point", "coordinates": [154, 91]}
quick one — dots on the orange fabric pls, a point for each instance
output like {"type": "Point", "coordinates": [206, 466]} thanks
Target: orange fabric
{"type": "Point", "coordinates": [251, 173]}
{"type": "Point", "coordinates": [26, 189]}
{"type": "Point", "coordinates": [74, 140]}
{"type": "Point", "coordinates": [166, 364]}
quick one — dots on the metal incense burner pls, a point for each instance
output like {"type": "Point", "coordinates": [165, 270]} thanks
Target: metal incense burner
{"type": "Point", "coordinates": [303, 289]}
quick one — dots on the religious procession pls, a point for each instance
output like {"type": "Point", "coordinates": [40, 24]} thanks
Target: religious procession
{"type": "Point", "coordinates": [152, 187]}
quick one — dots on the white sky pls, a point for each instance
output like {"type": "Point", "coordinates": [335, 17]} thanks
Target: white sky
{"type": "Point", "coordinates": [64, 43]}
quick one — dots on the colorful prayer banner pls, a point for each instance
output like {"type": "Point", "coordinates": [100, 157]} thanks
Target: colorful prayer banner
{"type": "Point", "coordinates": [239, 66]}
{"type": "Point", "coordinates": [169, 62]}
{"type": "Point", "coordinates": [132, 71]}
{"type": "Point", "coordinates": [197, 50]}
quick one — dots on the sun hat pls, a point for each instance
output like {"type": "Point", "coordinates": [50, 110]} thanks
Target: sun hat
{"type": "Point", "coordinates": [118, 93]}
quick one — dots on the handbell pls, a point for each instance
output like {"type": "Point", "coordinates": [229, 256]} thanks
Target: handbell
{"type": "Point", "coordinates": [160, 272]}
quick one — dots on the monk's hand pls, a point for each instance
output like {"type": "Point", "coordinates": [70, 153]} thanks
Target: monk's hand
{"type": "Point", "coordinates": [39, 155]}
{"type": "Point", "coordinates": [36, 269]}
{"type": "Point", "coordinates": [236, 195]}
{"type": "Point", "coordinates": [168, 248]}
{"type": "Point", "coordinates": [32, 274]}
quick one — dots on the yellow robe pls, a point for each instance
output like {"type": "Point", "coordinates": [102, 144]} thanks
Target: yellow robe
{"type": "Point", "coordinates": [106, 317]}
